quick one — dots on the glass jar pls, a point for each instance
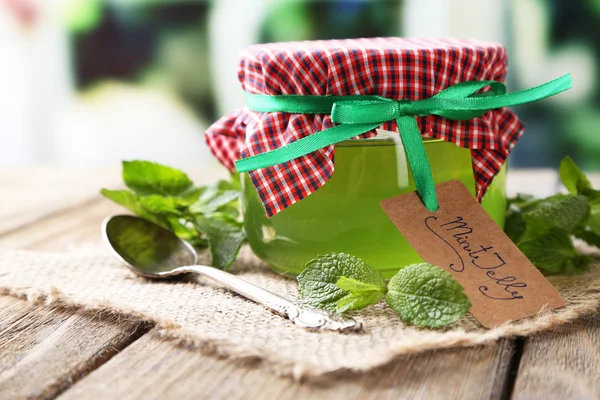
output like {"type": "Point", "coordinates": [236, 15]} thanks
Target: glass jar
{"type": "Point", "coordinates": [328, 200]}
{"type": "Point", "coordinates": [345, 216]}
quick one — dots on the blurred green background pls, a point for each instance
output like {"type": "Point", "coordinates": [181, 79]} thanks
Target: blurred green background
{"type": "Point", "coordinates": [91, 82]}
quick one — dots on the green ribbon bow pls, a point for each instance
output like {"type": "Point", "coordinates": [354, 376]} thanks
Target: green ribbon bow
{"type": "Point", "coordinates": [355, 115]}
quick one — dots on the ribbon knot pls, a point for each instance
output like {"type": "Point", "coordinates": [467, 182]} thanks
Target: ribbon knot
{"type": "Point", "coordinates": [379, 109]}
{"type": "Point", "coordinates": [406, 107]}
{"type": "Point", "coordinates": [355, 115]}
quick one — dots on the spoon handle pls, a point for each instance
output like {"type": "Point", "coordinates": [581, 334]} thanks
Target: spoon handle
{"type": "Point", "coordinates": [306, 317]}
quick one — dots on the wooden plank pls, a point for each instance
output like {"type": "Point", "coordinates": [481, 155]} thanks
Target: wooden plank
{"type": "Point", "coordinates": [27, 194]}
{"type": "Point", "coordinates": [44, 350]}
{"type": "Point", "coordinates": [561, 364]}
{"type": "Point", "coordinates": [68, 230]}
{"type": "Point", "coordinates": [152, 368]}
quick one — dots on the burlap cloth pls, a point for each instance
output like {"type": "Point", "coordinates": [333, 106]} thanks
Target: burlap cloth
{"type": "Point", "coordinates": [204, 316]}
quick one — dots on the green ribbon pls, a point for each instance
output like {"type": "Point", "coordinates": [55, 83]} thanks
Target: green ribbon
{"type": "Point", "coordinates": [355, 115]}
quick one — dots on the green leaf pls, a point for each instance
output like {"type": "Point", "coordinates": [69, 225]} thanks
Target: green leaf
{"type": "Point", "coordinates": [191, 195]}
{"type": "Point", "coordinates": [185, 230]}
{"type": "Point", "coordinates": [214, 203]}
{"type": "Point", "coordinates": [224, 239]}
{"type": "Point", "coordinates": [594, 221]}
{"type": "Point", "coordinates": [220, 197]}
{"type": "Point", "coordinates": [131, 201]}
{"type": "Point", "coordinates": [564, 213]}
{"type": "Point", "coordinates": [526, 203]}
{"type": "Point", "coordinates": [521, 200]}
{"type": "Point", "coordinates": [358, 300]}
{"type": "Point", "coordinates": [590, 237]}
{"type": "Point", "coordinates": [573, 178]}
{"type": "Point", "coordinates": [515, 226]}
{"type": "Point", "coordinates": [162, 205]}
{"type": "Point", "coordinates": [527, 216]}
{"type": "Point", "coordinates": [126, 198]}
{"type": "Point", "coordinates": [235, 181]}
{"type": "Point", "coordinates": [353, 285]}
{"type": "Point", "coordinates": [554, 252]}
{"type": "Point", "coordinates": [425, 295]}
{"type": "Point", "coordinates": [213, 190]}
{"type": "Point", "coordinates": [318, 282]}
{"type": "Point", "coordinates": [360, 295]}
{"type": "Point", "coordinates": [147, 178]}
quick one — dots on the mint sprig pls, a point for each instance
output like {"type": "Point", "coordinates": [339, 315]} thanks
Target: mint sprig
{"type": "Point", "coordinates": [204, 216]}
{"type": "Point", "coordinates": [421, 294]}
{"type": "Point", "coordinates": [543, 228]}
{"type": "Point", "coordinates": [337, 280]}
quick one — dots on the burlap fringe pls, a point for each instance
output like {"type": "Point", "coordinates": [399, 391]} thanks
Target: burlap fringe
{"type": "Point", "coordinates": [170, 330]}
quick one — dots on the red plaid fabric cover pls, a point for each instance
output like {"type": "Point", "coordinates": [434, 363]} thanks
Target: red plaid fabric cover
{"type": "Point", "coordinates": [396, 68]}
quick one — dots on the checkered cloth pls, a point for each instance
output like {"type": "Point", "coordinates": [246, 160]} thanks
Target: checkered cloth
{"type": "Point", "coordinates": [395, 68]}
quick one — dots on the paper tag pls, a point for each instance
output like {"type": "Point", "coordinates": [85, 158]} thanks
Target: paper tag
{"type": "Point", "coordinates": [502, 284]}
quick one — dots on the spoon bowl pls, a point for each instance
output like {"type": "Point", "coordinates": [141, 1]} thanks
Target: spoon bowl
{"type": "Point", "coordinates": [146, 248]}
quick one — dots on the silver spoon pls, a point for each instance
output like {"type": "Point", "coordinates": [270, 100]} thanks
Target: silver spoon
{"type": "Point", "coordinates": [154, 252]}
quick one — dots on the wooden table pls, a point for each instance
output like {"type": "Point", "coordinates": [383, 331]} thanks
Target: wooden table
{"type": "Point", "coordinates": [69, 354]}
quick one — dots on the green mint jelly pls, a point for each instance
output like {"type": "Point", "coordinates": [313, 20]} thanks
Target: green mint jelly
{"type": "Point", "coordinates": [344, 215]}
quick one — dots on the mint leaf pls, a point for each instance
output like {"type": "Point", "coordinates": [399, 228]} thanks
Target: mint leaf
{"type": "Point", "coordinates": [147, 178]}
{"type": "Point", "coordinates": [425, 295]}
{"type": "Point", "coordinates": [126, 198]}
{"type": "Point", "coordinates": [221, 197]}
{"type": "Point", "coordinates": [224, 237]}
{"type": "Point", "coordinates": [361, 294]}
{"type": "Point", "coordinates": [573, 178]}
{"type": "Point", "coordinates": [131, 201]}
{"type": "Point", "coordinates": [554, 252]}
{"type": "Point", "coordinates": [162, 205]}
{"type": "Point", "coordinates": [235, 181]}
{"type": "Point", "coordinates": [565, 212]}
{"type": "Point", "coordinates": [526, 203]}
{"type": "Point", "coordinates": [353, 285]}
{"type": "Point", "coordinates": [515, 226]}
{"type": "Point", "coordinates": [590, 237]}
{"type": "Point", "coordinates": [521, 200]}
{"type": "Point", "coordinates": [186, 230]}
{"type": "Point", "coordinates": [191, 195]}
{"type": "Point", "coordinates": [358, 300]}
{"type": "Point", "coordinates": [530, 217]}
{"type": "Point", "coordinates": [215, 202]}
{"type": "Point", "coordinates": [594, 221]}
{"type": "Point", "coordinates": [318, 282]}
